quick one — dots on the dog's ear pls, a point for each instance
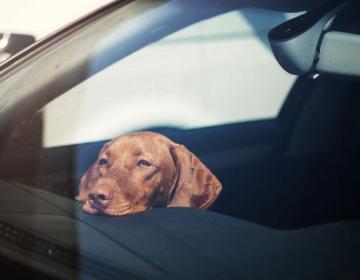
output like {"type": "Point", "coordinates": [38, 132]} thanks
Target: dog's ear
{"type": "Point", "coordinates": [87, 181]}
{"type": "Point", "coordinates": [195, 185]}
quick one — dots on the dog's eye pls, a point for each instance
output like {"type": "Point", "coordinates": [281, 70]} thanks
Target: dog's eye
{"type": "Point", "coordinates": [143, 162]}
{"type": "Point", "coordinates": [103, 162]}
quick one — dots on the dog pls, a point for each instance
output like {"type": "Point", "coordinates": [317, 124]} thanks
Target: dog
{"type": "Point", "coordinates": [146, 170]}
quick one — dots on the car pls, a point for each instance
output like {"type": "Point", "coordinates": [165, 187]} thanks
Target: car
{"type": "Point", "coordinates": [280, 134]}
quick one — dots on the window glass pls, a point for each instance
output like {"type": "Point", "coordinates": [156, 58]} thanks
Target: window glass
{"type": "Point", "coordinates": [213, 72]}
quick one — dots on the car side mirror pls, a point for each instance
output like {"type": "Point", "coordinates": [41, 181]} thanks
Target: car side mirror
{"type": "Point", "coordinates": [11, 43]}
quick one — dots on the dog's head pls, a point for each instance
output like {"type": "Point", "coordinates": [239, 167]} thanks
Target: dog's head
{"type": "Point", "coordinates": [146, 170]}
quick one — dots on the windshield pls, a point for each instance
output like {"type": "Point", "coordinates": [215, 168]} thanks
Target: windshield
{"type": "Point", "coordinates": [184, 81]}
{"type": "Point", "coordinates": [284, 148]}
{"type": "Point", "coordinates": [211, 84]}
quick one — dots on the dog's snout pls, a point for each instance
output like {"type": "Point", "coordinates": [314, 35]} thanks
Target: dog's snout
{"type": "Point", "coordinates": [100, 197]}
{"type": "Point", "coordinates": [97, 198]}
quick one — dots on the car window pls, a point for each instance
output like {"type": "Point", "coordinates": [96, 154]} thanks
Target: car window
{"type": "Point", "coordinates": [206, 80]}
{"type": "Point", "coordinates": [192, 80]}
{"type": "Point", "coordinates": [216, 71]}
{"type": "Point", "coordinates": [274, 158]}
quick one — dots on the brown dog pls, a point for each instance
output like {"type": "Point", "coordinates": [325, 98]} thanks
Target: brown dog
{"type": "Point", "coordinates": [146, 170]}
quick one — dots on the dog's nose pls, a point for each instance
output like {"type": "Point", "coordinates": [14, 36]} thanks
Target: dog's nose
{"type": "Point", "coordinates": [100, 197]}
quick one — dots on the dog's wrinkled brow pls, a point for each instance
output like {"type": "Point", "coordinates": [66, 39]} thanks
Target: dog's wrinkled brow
{"type": "Point", "coordinates": [137, 152]}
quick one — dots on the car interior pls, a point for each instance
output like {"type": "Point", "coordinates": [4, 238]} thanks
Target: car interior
{"type": "Point", "coordinates": [291, 190]}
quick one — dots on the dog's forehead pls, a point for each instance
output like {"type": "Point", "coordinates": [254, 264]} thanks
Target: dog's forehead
{"type": "Point", "coordinates": [137, 144]}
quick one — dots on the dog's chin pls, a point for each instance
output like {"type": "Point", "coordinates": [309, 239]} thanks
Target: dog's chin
{"type": "Point", "coordinates": [108, 211]}
{"type": "Point", "coordinates": [118, 214]}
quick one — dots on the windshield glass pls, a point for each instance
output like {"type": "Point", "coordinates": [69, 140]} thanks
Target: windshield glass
{"type": "Point", "coordinates": [211, 84]}
{"type": "Point", "coordinates": [213, 72]}
{"type": "Point", "coordinates": [284, 148]}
